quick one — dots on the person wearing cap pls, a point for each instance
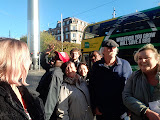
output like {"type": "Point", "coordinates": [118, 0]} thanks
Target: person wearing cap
{"type": "Point", "coordinates": [55, 83]}
{"type": "Point", "coordinates": [75, 54]}
{"type": "Point", "coordinates": [107, 81]}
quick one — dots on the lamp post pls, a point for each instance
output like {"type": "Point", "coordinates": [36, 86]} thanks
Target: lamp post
{"type": "Point", "coordinates": [62, 31]}
{"type": "Point", "coordinates": [33, 36]}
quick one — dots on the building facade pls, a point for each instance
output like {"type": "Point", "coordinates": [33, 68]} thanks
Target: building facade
{"type": "Point", "coordinates": [72, 30]}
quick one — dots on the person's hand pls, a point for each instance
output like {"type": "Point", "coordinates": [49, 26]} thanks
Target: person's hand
{"type": "Point", "coordinates": [152, 115]}
{"type": "Point", "coordinates": [50, 49]}
{"type": "Point", "coordinates": [48, 52]}
{"type": "Point", "coordinates": [97, 111]}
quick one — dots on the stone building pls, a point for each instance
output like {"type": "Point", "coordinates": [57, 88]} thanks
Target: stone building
{"type": "Point", "coordinates": [72, 30]}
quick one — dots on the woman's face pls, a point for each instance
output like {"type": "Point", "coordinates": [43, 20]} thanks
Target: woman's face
{"type": "Point", "coordinates": [147, 60]}
{"type": "Point", "coordinates": [83, 70]}
{"type": "Point", "coordinates": [71, 70]}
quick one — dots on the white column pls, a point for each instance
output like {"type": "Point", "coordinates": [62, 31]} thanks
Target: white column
{"type": "Point", "coordinates": [33, 37]}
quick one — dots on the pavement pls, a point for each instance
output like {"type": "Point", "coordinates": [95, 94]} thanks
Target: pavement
{"type": "Point", "coordinates": [33, 78]}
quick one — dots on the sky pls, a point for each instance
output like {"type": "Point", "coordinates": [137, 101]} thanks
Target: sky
{"type": "Point", "coordinates": [13, 13]}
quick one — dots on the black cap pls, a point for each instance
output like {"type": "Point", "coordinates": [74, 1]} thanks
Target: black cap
{"type": "Point", "coordinates": [109, 43]}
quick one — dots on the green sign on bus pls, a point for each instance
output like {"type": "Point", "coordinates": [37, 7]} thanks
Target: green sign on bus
{"type": "Point", "coordinates": [86, 44]}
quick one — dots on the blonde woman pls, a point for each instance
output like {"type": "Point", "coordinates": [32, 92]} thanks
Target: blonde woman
{"type": "Point", "coordinates": [141, 93]}
{"type": "Point", "coordinates": [16, 103]}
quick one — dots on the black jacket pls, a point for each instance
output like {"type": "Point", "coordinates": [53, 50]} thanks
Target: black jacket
{"type": "Point", "coordinates": [106, 85]}
{"type": "Point", "coordinates": [53, 94]}
{"type": "Point", "coordinates": [11, 108]}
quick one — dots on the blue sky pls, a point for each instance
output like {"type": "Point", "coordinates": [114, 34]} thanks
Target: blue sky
{"type": "Point", "coordinates": [13, 13]}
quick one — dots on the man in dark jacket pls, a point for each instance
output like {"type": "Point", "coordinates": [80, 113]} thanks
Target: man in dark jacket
{"type": "Point", "coordinates": [107, 81]}
{"type": "Point", "coordinates": [51, 94]}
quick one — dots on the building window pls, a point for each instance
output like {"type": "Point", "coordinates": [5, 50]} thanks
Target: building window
{"type": "Point", "coordinates": [67, 36]}
{"type": "Point", "coordinates": [58, 37]}
{"type": "Point", "coordinates": [52, 33]}
{"type": "Point", "coordinates": [73, 27]}
{"type": "Point", "coordinates": [58, 31]}
{"type": "Point", "coordinates": [74, 34]}
{"type": "Point", "coordinates": [67, 22]}
{"type": "Point", "coordinates": [63, 23]}
{"type": "Point", "coordinates": [59, 24]}
{"type": "Point", "coordinates": [66, 29]}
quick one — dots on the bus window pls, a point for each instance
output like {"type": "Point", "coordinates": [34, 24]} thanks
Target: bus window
{"type": "Point", "coordinates": [91, 32]}
{"type": "Point", "coordinates": [136, 25]}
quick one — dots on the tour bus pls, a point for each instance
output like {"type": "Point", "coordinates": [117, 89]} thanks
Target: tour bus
{"type": "Point", "coordinates": [130, 31]}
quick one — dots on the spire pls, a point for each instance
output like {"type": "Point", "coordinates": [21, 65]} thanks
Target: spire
{"type": "Point", "coordinates": [114, 12]}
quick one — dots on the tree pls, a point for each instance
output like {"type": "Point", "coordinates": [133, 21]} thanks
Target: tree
{"type": "Point", "coordinates": [24, 38]}
{"type": "Point", "coordinates": [67, 46]}
{"type": "Point", "coordinates": [47, 39]}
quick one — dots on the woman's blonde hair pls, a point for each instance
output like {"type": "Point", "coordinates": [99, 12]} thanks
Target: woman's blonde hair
{"type": "Point", "coordinates": [147, 47]}
{"type": "Point", "coordinates": [14, 61]}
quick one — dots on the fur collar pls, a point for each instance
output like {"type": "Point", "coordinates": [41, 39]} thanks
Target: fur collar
{"type": "Point", "coordinates": [74, 80]}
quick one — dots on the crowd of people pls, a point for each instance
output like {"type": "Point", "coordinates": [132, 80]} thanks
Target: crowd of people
{"type": "Point", "coordinates": [71, 90]}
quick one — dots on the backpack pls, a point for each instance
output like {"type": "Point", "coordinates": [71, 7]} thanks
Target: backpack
{"type": "Point", "coordinates": [44, 85]}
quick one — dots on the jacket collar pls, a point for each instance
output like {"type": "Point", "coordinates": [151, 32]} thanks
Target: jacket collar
{"type": "Point", "coordinates": [72, 81]}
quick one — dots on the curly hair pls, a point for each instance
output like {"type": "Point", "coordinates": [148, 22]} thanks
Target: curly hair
{"type": "Point", "coordinates": [147, 47]}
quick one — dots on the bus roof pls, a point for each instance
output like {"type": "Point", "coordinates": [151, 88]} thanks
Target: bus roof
{"type": "Point", "coordinates": [150, 9]}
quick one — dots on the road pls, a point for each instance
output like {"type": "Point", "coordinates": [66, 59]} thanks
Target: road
{"type": "Point", "coordinates": [33, 78]}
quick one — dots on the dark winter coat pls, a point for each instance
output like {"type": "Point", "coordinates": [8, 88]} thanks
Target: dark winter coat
{"type": "Point", "coordinates": [106, 85]}
{"type": "Point", "coordinates": [12, 109]}
{"type": "Point", "coordinates": [53, 93]}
